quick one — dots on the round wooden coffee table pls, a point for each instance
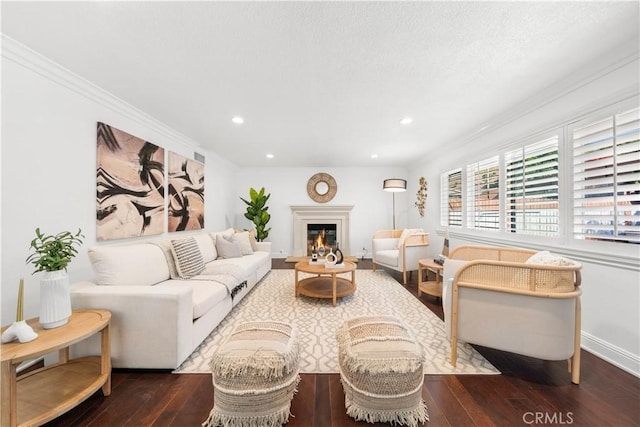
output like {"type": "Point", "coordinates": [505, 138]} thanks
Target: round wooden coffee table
{"type": "Point", "coordinates": [325, 283]}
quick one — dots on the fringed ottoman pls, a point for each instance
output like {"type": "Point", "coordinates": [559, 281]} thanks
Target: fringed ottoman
{"type": "Point", "coordinates": [255, 375]}
{"type": "Point", "coordinates": [381, 370]}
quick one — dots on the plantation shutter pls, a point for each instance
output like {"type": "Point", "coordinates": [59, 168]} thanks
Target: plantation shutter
{"type": "Point", "coordinates": [531, 195]}
{"type": "Point", "coordinates": [606, 186]}
{"type": "Point", "coordinates": [483, 195]}
{"type": "Point", "coordinates": [451, 198]}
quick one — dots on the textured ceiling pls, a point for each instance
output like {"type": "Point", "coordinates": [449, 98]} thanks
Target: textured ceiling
{"type": "Point", "coordinates": [323, 83]}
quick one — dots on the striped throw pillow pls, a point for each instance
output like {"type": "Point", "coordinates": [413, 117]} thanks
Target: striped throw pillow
{"type": "Point", "coordinates": [187, 256]}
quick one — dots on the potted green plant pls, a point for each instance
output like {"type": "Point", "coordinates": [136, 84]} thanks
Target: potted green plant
{"type": "Point", "coordinates": [257, 212]}
{"type": "Point", "coordinates": [51, 254]}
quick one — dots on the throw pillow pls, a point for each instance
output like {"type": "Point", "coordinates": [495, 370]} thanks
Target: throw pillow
{"type": "Point", "coordinates": [165, 245]}
{"type": "Point", "coordinates": [227, 249]}
{"type": "Point", "coordinates": [207, 247]}
{"type": "Point", "coordinates": [243, 240]}
{"type": "Point", "coordinates": [187, 257]}
{"type": "Point", "coordinates": [226, 233]}
{"type": "Point", "coordinates": [552, 281]}
{"type": "Point", "coordinates": [406, 233]}
{"type": "Point", "coordinates": [547, 258]}
{"type": "Point", "coordinates": [253, 239]}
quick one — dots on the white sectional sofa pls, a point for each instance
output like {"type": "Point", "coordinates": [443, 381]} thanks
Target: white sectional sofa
{"type": "Point", "coordinates": [160, 311]}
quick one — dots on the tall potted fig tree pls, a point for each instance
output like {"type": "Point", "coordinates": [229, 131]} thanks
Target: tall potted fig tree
{"type": "Point", "coordinates": [257, 212]}
{"type": "Point", "coordinates": [51, 254]}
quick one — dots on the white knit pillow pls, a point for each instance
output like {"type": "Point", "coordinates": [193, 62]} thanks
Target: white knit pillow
{"type": "Point", "coordinates": [243, 240]}
{"type": "Point", "coordinates": [187, 256]}
{"type": "Point", "coordinates": [547, 258]}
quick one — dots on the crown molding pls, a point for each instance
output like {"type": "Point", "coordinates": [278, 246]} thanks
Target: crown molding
{"type": "Point", "coordinates": [22, 55]}
{"type": "Point", "coordinates": [618, 58]}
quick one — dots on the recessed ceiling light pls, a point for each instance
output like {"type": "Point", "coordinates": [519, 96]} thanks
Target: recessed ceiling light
{"type": "Point", "coordinates": [406, 120]}
{"type": "Point", "coordinates": [237, 120]}
{"type": "Point", "coordinates": [374, 156]}
{"type": "Point", "coordinates": [270, 156]}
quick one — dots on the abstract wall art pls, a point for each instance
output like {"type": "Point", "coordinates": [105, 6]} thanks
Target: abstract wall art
{"type": "Point", "coordinates": [130, 185]}
{"type": "Point", "coordinates": [186, 193]}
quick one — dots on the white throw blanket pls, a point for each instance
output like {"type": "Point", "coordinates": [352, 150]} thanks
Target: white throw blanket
{"type": "Point", "coordinates": [225, 274]}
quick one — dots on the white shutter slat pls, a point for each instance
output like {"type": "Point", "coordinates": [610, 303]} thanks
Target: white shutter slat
{"type": "Point", "coordinates": [531, 190]}
{"type": "Point", "coordinates": [483, 204]}
{"type": "Point", "coordinates": [451, 198]}
{"type": "Point", "coordinates": [606, 179]}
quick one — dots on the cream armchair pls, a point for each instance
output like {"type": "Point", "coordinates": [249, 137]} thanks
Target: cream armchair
{"type": "Point", "coordinates": [399, 250]}
{"type": "Point", "coordinates": [514, 300]}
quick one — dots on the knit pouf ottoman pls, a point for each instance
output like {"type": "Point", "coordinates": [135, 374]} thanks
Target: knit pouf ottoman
{"type": "Point", "coordinates": [255, 375]}
{"type": "Point", "coordinates": [381, 370]}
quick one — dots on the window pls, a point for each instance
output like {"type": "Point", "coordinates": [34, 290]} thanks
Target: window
{"type": "Point", "coordinates": [531, 190]}
{"type": "Point", "coordinates": [606, 179]}
{"type": "Point", "coordinates": [593, 162]}
{"type": "Point", "coordinates": [483, 195]}
{"type": "Point", "coordinates": [451, 198]}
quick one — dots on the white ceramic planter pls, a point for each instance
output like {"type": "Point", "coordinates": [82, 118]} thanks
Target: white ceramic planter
{"type": "Point", "coordinates": [55, 300]}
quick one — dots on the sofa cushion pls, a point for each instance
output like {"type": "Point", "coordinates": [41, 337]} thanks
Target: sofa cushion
{"type": "Point", "coordinates": [227, 249]}
{"type": "Point", "coordinates": [451, 267]}
{"type": "Point", "coordinates": [141, 264]}
{"type": "Point", "coordinates": [207, 245]}
{"type": "Point", "coordinates": [248, 264]}
{"type": "Point", "coordinates": [388, 257]}
{"type": "Point", "coordinates": [206, 294]}
{"type": "Point", "coordinates": [187, 257]}
{"type": "Point", "coordinates": [243, 240]}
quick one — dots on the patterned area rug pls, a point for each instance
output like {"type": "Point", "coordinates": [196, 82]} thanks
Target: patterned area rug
{"type": "Point", "coordinates": [317, 321]}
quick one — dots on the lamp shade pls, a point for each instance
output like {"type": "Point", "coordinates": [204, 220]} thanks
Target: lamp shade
{"type": "Point", "coordinates": [394, 185]}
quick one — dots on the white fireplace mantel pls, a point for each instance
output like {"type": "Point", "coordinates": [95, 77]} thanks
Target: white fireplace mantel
{"type": "Point", "coordinates": [331, 214]}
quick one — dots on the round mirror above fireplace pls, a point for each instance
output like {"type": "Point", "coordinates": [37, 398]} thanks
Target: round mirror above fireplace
{"type": "Point", "coordinates": [322, 187]}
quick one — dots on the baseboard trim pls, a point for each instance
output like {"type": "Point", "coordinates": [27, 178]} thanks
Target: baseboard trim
{"type": "Point", "coordinates": [617, 356]}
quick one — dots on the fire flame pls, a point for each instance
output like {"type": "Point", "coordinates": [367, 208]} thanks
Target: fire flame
{"type": "Point", "coordinates": [320, 240]}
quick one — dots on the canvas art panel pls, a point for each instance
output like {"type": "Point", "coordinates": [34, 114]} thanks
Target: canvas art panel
{"type": "Point", "coordinates": [186, 193]}
{"type": "Point", "coordinates": [129, 185]}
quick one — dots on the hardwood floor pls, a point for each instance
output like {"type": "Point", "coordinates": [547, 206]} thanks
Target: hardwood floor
{"type": "Point", "coordinates": [528, 392]}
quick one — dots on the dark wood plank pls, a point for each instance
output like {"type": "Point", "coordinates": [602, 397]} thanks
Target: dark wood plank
{"type": "Point", "coordinates": [302, 406]}
{"type": "Point", "coordinates": [606, 396]}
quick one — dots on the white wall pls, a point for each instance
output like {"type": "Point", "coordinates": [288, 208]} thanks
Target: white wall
{"type": "Point", "coordinates": [49, 164]}
{"type": "Point", "coordinates": [611, 295]}
{"type": "Point", "coordinates": [360, 187]}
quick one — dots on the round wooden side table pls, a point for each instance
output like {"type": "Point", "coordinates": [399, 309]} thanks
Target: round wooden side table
{"type": "Point", "coordinates": [429, 287]}
{"type": "Point", "coordinates": [40, 396]}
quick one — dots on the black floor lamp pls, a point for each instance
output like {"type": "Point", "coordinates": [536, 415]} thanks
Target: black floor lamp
{"type": "Point", "coordinates": [394, 185]}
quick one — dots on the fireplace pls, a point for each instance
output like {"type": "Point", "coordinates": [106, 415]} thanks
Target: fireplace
{"type": "Point", "coordinates": [320, 216]}
{"type": "Point", "coordinates": [321, 235]}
